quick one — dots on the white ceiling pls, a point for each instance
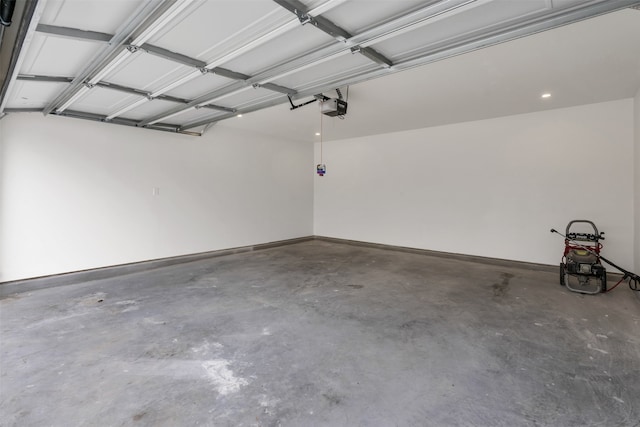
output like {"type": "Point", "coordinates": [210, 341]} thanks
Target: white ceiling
{"type": "Point", "coordinates": [441, 68]}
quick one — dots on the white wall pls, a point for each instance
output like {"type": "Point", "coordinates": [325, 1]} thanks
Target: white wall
{"type": "Point", "coordinates": [491, 188]}
{"type": "Point", "coordinates": [636, 181]}
{"type": "Point", "coordinates": [78, 195]}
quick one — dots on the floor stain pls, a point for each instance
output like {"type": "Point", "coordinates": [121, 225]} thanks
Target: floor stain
{"type": "Point", "coordinates": [91, 299]}
{"type": "Point", "coordinates": [10, 297]}
{"type": "Point", "coordinates": [414, 324]}
{"type": "Point", "coordinates": [332, 398]}
{"type": "Point", "coordinates": [501, 289]}
{"type": "Point", "coordinates": [139, 416]}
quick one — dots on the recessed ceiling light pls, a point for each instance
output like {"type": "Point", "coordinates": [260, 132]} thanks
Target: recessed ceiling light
{"type": "Point", "coordinates": [317, 133]}
{"type": "Point", "coordinates": [546, 95]}
{"type": "Point", "coordinates": [239, 115]}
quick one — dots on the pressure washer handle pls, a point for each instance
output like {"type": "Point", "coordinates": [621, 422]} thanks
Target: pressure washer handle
{"type": "Point", "coordinates": [582, 221]}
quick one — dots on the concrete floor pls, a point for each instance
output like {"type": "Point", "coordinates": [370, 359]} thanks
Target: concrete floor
{"type": "Point", "coordinates": [321, 334]}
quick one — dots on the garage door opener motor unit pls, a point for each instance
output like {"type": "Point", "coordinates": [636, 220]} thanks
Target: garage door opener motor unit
{"type": "Point", "coordinates": [333, 107]}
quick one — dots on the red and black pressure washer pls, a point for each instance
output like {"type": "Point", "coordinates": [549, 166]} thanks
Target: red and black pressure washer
{"type": "Point", "coordinates": [581, 269]}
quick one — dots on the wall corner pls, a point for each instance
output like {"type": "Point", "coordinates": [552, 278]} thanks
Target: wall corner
{"type": "Point", "coordinates": [636, 181]}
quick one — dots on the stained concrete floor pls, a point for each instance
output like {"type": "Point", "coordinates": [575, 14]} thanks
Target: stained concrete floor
{"type": "Point", "coordinates": [321, 334]}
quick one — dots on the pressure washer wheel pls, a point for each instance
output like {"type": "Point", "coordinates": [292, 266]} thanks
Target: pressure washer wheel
{"type": "Point", "coordinates": [562, 273]}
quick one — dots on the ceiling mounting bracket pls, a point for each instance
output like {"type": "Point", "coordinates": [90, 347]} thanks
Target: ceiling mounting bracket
{"type": "Point", "coordinates": [302, 17]}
